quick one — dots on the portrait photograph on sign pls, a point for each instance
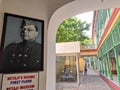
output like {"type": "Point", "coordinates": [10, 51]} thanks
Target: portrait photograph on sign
{"type": "Point", "coordinates": [22, 44]}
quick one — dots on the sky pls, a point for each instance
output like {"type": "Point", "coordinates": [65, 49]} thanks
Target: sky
{"type": "Point", "coordinates": [88, 17]}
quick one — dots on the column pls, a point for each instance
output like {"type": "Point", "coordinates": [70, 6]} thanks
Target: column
{"type": "Point", "coordinates": [106, 74]}
{"type": "Point", "coordinates": [102, 66]}
{"type": "Point", "coordinates": [109, 67]}
{"type": "Point", "coordinates": [117, 64]}
{"type": "Point", "coordinates": [78, 70]}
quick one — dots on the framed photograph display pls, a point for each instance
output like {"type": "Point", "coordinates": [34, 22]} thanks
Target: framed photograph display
{"type": "Point", "coordinates": [22, 47]}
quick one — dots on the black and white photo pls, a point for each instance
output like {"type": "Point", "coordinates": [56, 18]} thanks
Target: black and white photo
{"type": "Point", "coordinates": [22, 44]}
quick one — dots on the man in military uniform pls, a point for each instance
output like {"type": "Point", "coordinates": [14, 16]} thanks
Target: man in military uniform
{"type": "Point", "coordinates": [25, 55]}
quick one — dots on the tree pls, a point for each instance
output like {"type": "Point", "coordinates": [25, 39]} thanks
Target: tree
{"type": "Point", "coordinates": [72, 29]}
{"type": "Point", "coordinates": [88, 41]}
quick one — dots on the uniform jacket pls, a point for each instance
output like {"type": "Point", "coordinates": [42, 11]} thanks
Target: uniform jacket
{"type": "Point", "coordinates": [23, 56]}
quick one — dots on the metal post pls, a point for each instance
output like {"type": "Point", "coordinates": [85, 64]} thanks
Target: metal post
{"type": "Point", "coordinates": [117, 64]}
{"type": "Point", "coordinates": [110, 71]}
{"type": "Point", "coordinates": [106, 74]}
{"type": "Point", "coordinates": [102, 66]}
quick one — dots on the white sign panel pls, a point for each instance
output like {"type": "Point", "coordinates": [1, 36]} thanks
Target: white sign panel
{"type": "Point", "coordinates": [24, 81]}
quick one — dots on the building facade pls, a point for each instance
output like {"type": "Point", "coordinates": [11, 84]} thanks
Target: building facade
{"type": "Point", "coordinates": [106, 34]}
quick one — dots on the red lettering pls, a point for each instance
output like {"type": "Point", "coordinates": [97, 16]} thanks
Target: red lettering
{"type": "Point", "coordinates": [27, 86]}
{"type": "Point", "coordinates": [13, 88]}
{"type": "Point", "coordinates": [14, 77]}
{"type": "Point", "coordinates": [30, 76]}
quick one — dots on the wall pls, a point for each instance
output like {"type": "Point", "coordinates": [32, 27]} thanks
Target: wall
{"type": "Point", "coordinates": [1, 18]}
{"type": "Point", "coordinates": [55, 4]}
{"type": "Point", "coordinates": [31, 8]}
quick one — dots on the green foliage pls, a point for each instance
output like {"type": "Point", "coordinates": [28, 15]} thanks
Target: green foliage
{"type": "Point", "coordinates": [72, 29]}
{"type": "Point", "coordinates": [88, 41]}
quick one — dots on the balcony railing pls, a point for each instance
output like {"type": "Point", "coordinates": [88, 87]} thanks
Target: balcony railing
{"type": "Point", "coordinates": [88, 46]}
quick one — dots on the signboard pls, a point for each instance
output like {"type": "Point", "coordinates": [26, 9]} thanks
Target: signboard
{"type": "Point", "coordinates": [24, 81]}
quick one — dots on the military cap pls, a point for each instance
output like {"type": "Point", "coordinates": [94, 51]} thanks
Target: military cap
{"type": "Point", "coordinates": [26, 22]}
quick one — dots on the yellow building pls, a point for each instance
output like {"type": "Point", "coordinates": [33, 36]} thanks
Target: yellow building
{"type": "Point", "coordinates": [81, 64]}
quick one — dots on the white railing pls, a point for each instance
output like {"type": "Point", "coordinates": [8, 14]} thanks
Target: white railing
{"type": "Point", "coordinates": [88, 46]}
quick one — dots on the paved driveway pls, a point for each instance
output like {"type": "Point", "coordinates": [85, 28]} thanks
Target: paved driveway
{"type": "Point", "coordinates": [92, 81]}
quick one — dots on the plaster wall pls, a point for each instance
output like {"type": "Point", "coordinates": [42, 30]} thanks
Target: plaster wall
{"type": "Point", "coordinates": [56, 4]}
{"type": "Point", "coordinates": [30, 8]}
